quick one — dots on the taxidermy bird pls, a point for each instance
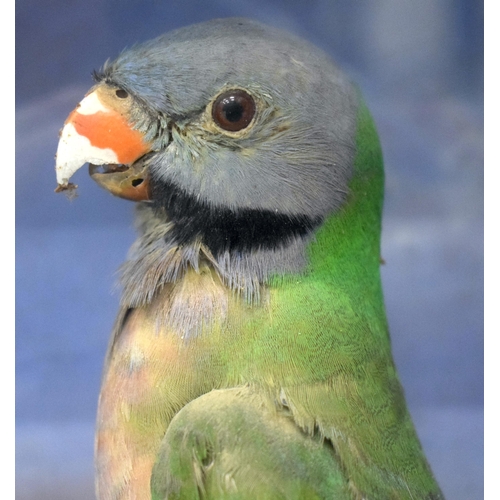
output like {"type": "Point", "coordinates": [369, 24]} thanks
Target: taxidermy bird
{"type": "Point", "coordinates": [250, 358]}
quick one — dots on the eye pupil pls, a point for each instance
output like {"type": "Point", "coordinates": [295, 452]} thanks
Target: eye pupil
{"type": "Point", "coordinates": [122, 94]}
{"type": "Point", "coordinates": [233, 110]}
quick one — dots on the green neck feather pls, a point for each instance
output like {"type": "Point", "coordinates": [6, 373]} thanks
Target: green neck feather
{"type": "Point", "coordinates": [346, 250]}
{"type": "Point", "coordinates": [353, 234]}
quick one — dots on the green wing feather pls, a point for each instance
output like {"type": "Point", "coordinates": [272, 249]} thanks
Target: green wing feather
{"type": "Point", "coordinates": [236, 444]}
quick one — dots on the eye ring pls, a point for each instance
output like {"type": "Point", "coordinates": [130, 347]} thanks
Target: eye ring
{"type": "Point", "coordinates": [121, 94]}
{"type": "Point", "coordinates": [233, 110]}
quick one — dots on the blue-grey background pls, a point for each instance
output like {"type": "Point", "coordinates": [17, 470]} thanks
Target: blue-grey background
{"type": "Point", "coordinates": [420, 65]}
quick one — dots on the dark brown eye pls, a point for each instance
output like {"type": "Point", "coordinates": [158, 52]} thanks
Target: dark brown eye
{"type": "Point", "coordinates": [122, 94]}
{"type": "Point", "coordinates": [233, 110]}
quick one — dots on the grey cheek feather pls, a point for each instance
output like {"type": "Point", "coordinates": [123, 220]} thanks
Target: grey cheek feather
{"type": "Point", "coordinates": [293, 164]}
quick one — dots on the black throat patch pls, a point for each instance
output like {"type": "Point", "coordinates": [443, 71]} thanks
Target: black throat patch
{"type": "Point", "coordinates": [222, 229]}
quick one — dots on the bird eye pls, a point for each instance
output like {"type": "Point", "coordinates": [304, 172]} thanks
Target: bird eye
{"type": "Point", "coordinates": [122, 94]}
{"type": "Point", "coordinates": [233, 110]}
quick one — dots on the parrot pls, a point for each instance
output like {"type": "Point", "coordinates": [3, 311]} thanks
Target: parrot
{"type": "Point", "coordinates": [250, 357]}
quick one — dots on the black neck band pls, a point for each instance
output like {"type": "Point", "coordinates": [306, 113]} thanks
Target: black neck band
{"type": "Point", "coordinates": [222, 229]}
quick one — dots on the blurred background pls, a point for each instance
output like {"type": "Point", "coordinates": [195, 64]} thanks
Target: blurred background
{"type": "Point", "coordinates": [420, 66]}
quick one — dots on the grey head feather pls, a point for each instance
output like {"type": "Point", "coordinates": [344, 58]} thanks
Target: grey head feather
{"type": "Point", "coordinates": [296, 157]}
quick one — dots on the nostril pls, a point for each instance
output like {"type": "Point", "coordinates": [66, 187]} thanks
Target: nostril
{"type": "Point", "coordinates": [122, 94]}
{"type": "Point", "coordinates": [137, 182]}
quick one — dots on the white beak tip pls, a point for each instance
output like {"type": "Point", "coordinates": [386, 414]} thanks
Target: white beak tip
{"type": "Point", "coordinates": [68, 189]}
{"type": "Point", "coordinates": [74, 151]}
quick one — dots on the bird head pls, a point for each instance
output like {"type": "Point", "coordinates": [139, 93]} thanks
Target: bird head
{"type": "Point", "coordinates": [243, 134]}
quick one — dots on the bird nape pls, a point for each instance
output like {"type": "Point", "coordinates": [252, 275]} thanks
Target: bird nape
{"type": "Point", "coordinates": [250, 358]}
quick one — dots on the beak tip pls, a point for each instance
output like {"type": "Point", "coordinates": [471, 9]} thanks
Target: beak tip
{"type": "Point", "coordinates": [65, 187]}
{"type": "Point", "coordinates": [62, 179]}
